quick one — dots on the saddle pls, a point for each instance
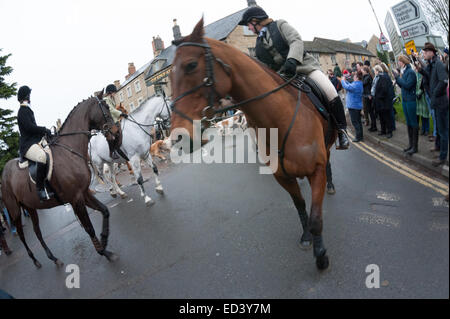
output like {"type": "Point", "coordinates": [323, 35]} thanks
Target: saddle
{"type": "Point", "coordinates": [32, 166]}
{"type": "Point", "coordinates": [314, 92]}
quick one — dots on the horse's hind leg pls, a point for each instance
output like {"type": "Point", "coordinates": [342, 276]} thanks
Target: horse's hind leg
{"type": "Point", "coordinates": [291, 186]}
{"type": "Point", "coordinates": [37, 231]}
{"type": "Point", "coordinates": [159, 189]}
{"type": "Point", "coordinates": [17, 220]}
{"type": "Point", "coordinates": [82, 214]}
{"type": "Point", "coordinates": [330, 186]}
{"type": "Point", "coordinates": [317, 182]}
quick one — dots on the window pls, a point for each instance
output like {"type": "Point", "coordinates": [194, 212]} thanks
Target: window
{"type": "Point", "coordinates": [131, 106]}
{"type": "Point", "coordinates": [252, 52]}
{"type": "Point", "coordinates": [121, 96]}
{"type": "Point", "coordinates": [333, 59]}
{"type": "Point", "coordinates": [129, 91]}
{"type": "Point", "coordinates": [140, 101]}
{"type": "Point", "coordinates": [137, 86]}
{"type": "Point", "coordinates": [316, 56]}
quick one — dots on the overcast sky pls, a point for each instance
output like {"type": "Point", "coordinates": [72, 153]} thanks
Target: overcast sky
{"type": "Point", "coordinates": [67, 49]}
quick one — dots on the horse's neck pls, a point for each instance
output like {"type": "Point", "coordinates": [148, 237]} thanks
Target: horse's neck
{"type": "Point", "coordinates": [146, 115]}
{"type": "Point", "coordinates": [78, 121]}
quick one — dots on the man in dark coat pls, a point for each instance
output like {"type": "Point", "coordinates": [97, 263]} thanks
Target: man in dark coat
{"type": "Point", "coordinates": [30, 136]}
{"type": "Point", "coordinates": [438, 81]}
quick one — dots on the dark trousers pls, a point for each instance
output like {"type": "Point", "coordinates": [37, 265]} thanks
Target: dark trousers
{"type": "Point", "coordinates": [367, 103]}
{"type": "Point", "coordinates": [355, 116]}
{"type": "Point", "coordinates": [442, 130]}
{"type": "Point", "coordinates": [386, 121]}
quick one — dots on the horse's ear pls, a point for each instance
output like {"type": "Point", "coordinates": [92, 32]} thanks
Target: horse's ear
{"type": "Point", "coordinates": [198, 33]}
{"type": "Point", "coordinates": [99, 94]}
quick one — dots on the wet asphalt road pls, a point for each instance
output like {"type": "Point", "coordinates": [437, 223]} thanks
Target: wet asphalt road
{"type": "Point", "coordinates": [225, 231]}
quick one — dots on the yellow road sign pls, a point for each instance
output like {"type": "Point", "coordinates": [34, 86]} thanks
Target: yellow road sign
{"type": "Point", "coordinates": [410, 45]}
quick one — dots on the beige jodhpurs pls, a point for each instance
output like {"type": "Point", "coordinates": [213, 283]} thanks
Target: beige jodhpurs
{"type": "Point", "coordinates": [36, 154]}
{"type": "Point", "coordinates": [324, 83]}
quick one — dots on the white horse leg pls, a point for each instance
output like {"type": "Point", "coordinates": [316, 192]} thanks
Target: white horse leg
{"type": "Point", "coordinates": [159, 189]}
{"type": "Point", "coordinates": [119, 191]}
{"type": "Point", "coordinates": [136, 164]}
{"type": "Point", "coordinates": [108, 173]}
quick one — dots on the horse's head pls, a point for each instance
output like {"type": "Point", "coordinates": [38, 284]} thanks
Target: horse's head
{"type": "Point", "coordinates": [199, 80]}
{"type": "Point", "coordinates": [100, 118]}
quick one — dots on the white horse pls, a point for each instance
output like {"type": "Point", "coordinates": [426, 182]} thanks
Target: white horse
{"type": "Point", "coordinates": [136, 142]}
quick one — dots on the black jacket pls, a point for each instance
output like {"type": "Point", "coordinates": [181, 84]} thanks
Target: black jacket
{"type": "Point", "coordinates": [384, 93]}
{"type": "Point", "coordinates": [435, 83]}
{"type": "Point", "coordinates": [30, 133]}
{"type": "Point", "coordinates": [367, 85]}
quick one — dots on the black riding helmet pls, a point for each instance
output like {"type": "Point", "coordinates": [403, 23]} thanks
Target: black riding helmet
{"type": "Point", "coordinates": [23, 93]}
{"type": "Point", "coordinates": [253, 13]}
{"type": "Point", "coordinates": [111, 89]}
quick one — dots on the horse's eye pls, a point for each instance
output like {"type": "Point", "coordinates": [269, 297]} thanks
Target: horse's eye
{"type": "Point", "coordinates": [191, 67]}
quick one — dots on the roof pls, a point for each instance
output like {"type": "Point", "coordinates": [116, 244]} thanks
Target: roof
{"type": "Point", "coordinates": [311, 46]}
{"type": "Point", "coordinates": [339, 46]}
{"type": "Point", "coordinates": [217, 30]}
{"type": "Point", "coordinates": [135, 75]}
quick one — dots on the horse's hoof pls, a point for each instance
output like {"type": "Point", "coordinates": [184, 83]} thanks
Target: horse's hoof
{"type": "Point", "coordinates": [59, 263]}
{"type": "Point", "coordinates": [8, 252]}
{"type": "Point", "coordinates": [331, 190]}
{"type": "Point", "coordinates": [322, 262]}
{"type": "Point", "coordinates": [305, 245]}
{"type": "Point", "coordinates": [124, 195]}
{"type": "Point", "coordinates": [37, 264]}
{"type": "Point", "coordinates": [112, 257]}
{"type": "Point", "coordinates": [149, 203]}
{"type": "Point", "coordinates": [160, 191]}
{"type": "Point", "coordinates": [114, 195]}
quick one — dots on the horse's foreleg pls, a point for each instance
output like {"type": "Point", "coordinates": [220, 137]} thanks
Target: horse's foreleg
{"type": "Point", "coordinates": [95, 204]}
{"type": "Point", "coordinates": [136, 163]}
{"type": "Point", "coordinates": [110, 178]}
{"type": "Point", "coordinates": [116, 186]}
{"type": "Point", "coordinates": [318, 182]}
{"type": "Point", "coordinates": [159, 189]}
{"type": "Point", "coordinates": [291, 186]}
{"type": "Point", "coordinates": [82, 214]}
{"type": "Point", "coordinates": [37, 230]}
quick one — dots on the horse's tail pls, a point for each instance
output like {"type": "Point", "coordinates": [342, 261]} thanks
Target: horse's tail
{"type": "Point", "coordinates": [9, 198]}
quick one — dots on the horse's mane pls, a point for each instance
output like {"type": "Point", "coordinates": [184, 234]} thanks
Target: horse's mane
{"type": "Point", "coordinates": [73, 110]}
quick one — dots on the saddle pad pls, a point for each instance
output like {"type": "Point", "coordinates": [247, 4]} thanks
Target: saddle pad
{"type": "Point", "coordinates": [46, 147]}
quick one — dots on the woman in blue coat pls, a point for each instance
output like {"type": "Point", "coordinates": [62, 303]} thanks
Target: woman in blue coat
{"type": "Point", "coordinates": [407, 81]}
{"type": "Point", "coordinates": [354, 103]}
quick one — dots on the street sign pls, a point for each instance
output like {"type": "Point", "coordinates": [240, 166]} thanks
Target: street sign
{"type": "Point", "coordinates": [406, 12]}
{"type": "Point", "coordinates": [411, 45]}
{"type": "Point", "coordinates": [383, 39]}
{"type": "Point", "coordinates": [415, 30]}
{"type": "Point", "coordinates": [396, 41]}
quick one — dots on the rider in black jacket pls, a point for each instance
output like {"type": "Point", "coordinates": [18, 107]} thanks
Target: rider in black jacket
{"type": "Point", "coordinates": [30, 136]}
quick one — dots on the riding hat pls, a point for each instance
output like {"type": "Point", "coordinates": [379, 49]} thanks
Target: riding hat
{"type": "Point", "coordinates": [111, 89]}
{"type": "Point", "coordinates": [429, 47]}
{"type": "Point", "coordinates": [253, 13]}
{"type": "Point", "coordinates": [23, 93]}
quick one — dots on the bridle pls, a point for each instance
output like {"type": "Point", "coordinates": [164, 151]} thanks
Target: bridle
{"type": "Point", "coordinates": [209, 112]}
{"type": "Point", "coordinates": [105, 130]}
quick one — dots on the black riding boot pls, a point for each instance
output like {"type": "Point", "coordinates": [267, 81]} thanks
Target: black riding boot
{"type": "Point", "coordinates": [415, 141]}
{"type": "Point", "coordinates": [40, 177]}
{"type": "Point", "coordinates": [337, 109]}
{"type": "Point", "coordinates": [410, 139]}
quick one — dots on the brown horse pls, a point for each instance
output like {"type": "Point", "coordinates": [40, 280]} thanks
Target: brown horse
{"type": "Point", "coordinates": [205, 70]}
{"type": "Point", "coordinates": [70, 178]}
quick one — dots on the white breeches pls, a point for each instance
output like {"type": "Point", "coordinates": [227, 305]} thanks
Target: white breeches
{"type": "Point", "coordinates": [324, 83]}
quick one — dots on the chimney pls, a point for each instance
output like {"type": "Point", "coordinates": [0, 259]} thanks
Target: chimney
{"type": "Point", "coordinates": [176, 30]}
{"type": "Point", "coordinates": [252, 3]}
{"type": "Point", "coordinates": [131, 70]}
{"type": "Point", "coordinates": [117, 84]}
{"type": "Point", "coordinates": [158, 46]}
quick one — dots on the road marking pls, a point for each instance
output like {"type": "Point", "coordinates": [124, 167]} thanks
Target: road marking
{"type": "Point", "coordinates": [402, 169]}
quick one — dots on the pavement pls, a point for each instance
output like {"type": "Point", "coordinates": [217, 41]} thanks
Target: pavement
{"type": "Point", "coordinates": [399, 141]}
